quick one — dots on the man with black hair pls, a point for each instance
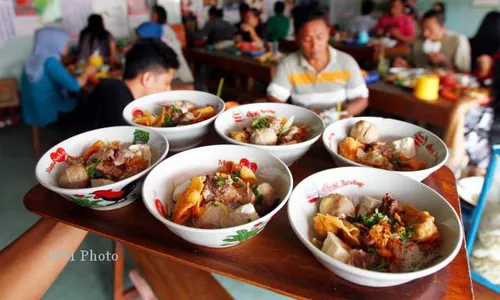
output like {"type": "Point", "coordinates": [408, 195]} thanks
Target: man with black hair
{"type": "Point", "coordinates": [243, 10]}
{"type": "Point", "coordinates": [278, 25]}
{"type": "Point", "coordinates": [365, 22]}
{"type": "Point", "coordinates": [318, 76]}
{"type": "Point", "coordinates": [216, 29]}
{"type": "Point", "coordinates": [149, 68]}
{"type": "Point", "coordinates": [437, 47]}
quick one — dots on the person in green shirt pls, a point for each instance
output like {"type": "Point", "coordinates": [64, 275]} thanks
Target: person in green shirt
{"type": "Point", "coordinates": [278, 25]}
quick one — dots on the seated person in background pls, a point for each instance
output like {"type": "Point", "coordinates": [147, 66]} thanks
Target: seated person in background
{"type": "Point", "coordinates": [252, 29]}
{"type": "Point", "coordinates": [149, 68]}
{"type": "Point", "coordinates": [159, 16]}
{"type": "Point", "coordinates": [149, 30]}
{"type": "Point", "coordinates": [410, 9]}
{"type": "Point", "coordinates": [439, 6]}
{"type": "Point", "coordinates": [365, 22]}
{"type": "Point", "coordinates": [242, 10]}
{"type": "Point", "coordinates": [318, 76]}
{"type": "Point", "coordinates": [485, 46]}
{"type": "Point", "coordinates": [397, 24]}
{"type": "Point", "coordinates": [216, 29]}
{"type": "Point", "coordinates": [96, 37]}
{"type": "Point", "coordinates": [45, 80]}
{"type": "Point", "coordinates": [278, 25]}
{"type": "Point", "coordinates": [436, 48]}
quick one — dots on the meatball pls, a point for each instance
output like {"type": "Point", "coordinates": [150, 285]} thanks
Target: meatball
{"type": "Point", "coordinates": [365, 132]}
{"type": "Point", "coordinates": [266, 136]}
{"type": "Point", "coordinates": [74, 177]}
{"type": "Point", "coordinates": [337, 205]}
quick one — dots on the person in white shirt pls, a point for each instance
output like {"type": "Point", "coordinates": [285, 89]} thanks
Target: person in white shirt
{"type": "Point", "coordinates": [159, 15]}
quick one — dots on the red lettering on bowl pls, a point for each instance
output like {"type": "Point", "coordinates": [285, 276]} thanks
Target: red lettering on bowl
{"type": "Point", "coordinates": [329, 188]}
{"type": "Point", "coordinates": [59, 155]}
{"type": "Point", "coordinates": [420, 139]}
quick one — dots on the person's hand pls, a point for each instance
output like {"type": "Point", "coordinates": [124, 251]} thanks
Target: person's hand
{"type": "Point", "coordinates": [467, 103]}
{"type": "Point", "coordinates": [345, 115]}
{"type": "Point", "coordinates": [246, 28]}
{"type": "Point", "coordinates": [438, 58]}
{"type": "Point", "coordinates": [395, 33]}
{"type": "Point", "coordinates": [90, 70]}
{"type": "Point", "coordinates": [400, 62]}
{"type": "Point", "coordinates": [484, 64]}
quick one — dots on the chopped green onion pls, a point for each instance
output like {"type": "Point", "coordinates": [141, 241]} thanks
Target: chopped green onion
{"type": "Point", "coordinates": [261, 123]}
{"type": "Point", "coordinates": [260, 198]}
{"type": "Point", "coordinates": [140, 136]}
{"type": "Point", "coordinates": [220, 180]}
{"type": "Point", "coordinates": [175, 110]}
{"type": "Point", "coordinates": [91, 169]}
{"type": "Point", "coordinates": [235, 176]}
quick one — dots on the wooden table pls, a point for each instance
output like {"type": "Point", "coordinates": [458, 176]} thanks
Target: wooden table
{"type": "Point", "coordinates": [237, 65]}
{"type": "Point", "coordinates": [275, 259]}
{"type": "Point", "coordinates": [398, 101]}
{"type": "Point", "coordinates": [361, 53]}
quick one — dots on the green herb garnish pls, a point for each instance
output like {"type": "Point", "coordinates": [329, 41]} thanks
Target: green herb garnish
{"type": "Point", "coordinates": [91, 169]}
{"type": "Point", "coordinates": [374, 219]}
{"type": "Point", "coordinates": [396, 160]}
{"type": "Point", "coordinates": [260, 198]}
{"type": "Point", "coordinates": [235, 176]}
{"type": "Point", "coordinates": [406, 233]}
{"type": "Point", "coordinates": [168, 121]}
{"type": "Point", "coordinates": [371, 250]}
{"type": "Point", "coordinates": [175, 110]}
{"type": "Point", "coordinates": [261, 123]}
{"type": "Point", "coordinates": [380, 267]}
{"type": "Point", "coordinates": [220, 180]}
{"type": "Point", "coordinates": [140, 137]}
{"type": "Point", "coordinates": [170, 215]}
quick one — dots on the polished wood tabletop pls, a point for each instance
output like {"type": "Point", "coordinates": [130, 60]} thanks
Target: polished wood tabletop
{"type": "Point", "coordinates": [388, 98]}
{"type": "Point", "coordinates": [275, 259]}
{"type": "Point", "coordinates": [236, 64]}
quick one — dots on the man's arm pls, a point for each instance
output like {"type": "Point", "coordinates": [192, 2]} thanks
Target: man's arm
{"type": "Point", "coordinates": [31, 263]}
{"type": "Point", "coordinates": [279, 90]}
{"type": "Point", "coordinates": [356, 106]}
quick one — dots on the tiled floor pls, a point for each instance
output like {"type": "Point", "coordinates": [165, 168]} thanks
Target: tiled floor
{"type": "Point", "coordinates": [79, 280]}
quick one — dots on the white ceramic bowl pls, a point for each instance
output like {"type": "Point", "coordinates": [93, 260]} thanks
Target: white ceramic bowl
{"type": "Point", "coordinates": [106, 197]}
{"type": "Point", "coordinates": [182, 137]}
{"type": "Point", "coordinates": [159, 186]}
{"type": "Point", "coordinates": [355, 182]}
{"type": "Point", "coordinates": [241, 116]}
{"type": "Point", "coordinates": [430, 148]}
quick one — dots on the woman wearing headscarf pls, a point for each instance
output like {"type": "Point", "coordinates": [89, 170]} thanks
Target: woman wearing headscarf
{"type": "Point", "coordinates": [96, 37]}
{"type": "Point", "coordinates": [45, 81]}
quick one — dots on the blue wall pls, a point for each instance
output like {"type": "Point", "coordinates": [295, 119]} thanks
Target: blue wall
{"type": "Point", "coordinates": [461, 15]}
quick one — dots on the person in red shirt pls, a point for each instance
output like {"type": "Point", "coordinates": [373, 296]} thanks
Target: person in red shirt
{"type": "Point", "coordinates": [397, 24]}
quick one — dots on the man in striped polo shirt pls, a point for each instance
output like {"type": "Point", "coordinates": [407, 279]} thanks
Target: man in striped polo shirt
{"type": "Point", "coordinates": [318, 76]}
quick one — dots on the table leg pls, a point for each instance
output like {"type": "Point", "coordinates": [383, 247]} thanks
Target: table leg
{"type": "Point", "coordinates": [184, 283]}
{"type": "Point", "coordinates": [118, 267]}
{"type": "Point", "coordinates": [36, 140]}
{"type": "Point", "coordinates": [250, 84]}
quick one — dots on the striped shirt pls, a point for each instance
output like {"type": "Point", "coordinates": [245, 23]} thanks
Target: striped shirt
{"type": "Point", "coordinates": [339, 81]}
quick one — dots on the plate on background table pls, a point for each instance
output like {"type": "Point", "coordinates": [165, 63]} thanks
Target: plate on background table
{"type": "Point", "coordinates": [469, 189]}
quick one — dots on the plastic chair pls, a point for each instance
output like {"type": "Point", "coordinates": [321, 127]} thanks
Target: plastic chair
{"type": "Point", "coordinates": [478, 213]}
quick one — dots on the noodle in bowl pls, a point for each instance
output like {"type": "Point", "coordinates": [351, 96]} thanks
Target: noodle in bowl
{"type": "Point", "coordinates": [355, 182]}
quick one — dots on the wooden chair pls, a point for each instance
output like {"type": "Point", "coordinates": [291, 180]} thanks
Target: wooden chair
{"type": "Point", "coordinates": [180, 30]}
